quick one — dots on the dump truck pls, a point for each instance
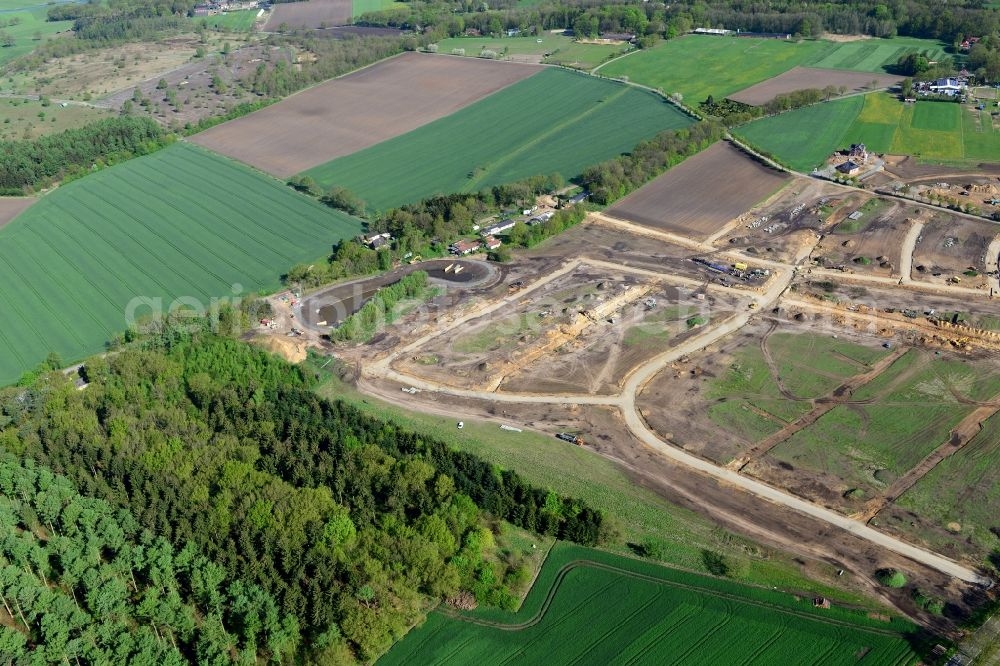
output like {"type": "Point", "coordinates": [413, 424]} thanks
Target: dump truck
{"type": "Point", "coordinates": [570, 437]}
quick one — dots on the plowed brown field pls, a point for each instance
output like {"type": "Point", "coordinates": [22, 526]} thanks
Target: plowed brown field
{"type": "Point", "coordinates": [344, 115]}
{"type": "Point", "coordinates": [311, 14]}
{"type": "Point", "coordinates": [11, 207]}
{"type": "Point", "coordinates": [800, 78]}
{"type": "Point", "coordinates": [699, 196]}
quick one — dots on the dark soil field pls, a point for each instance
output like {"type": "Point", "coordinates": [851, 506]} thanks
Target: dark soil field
{"type": "Point", "coordinates": [800, 78]}
{"type": "Point", "coordinates": [699, 196]}
{"type": "Point", "coordinates": [344, 115]}
{"type": "Point", "coordinates": [868, 245]}
{"type": "Point", "coordinates": [951, 246]}
{"type": "Point", "coordinates": [311, 14]}
{"type": "Point", "coordinates": [11, 207]}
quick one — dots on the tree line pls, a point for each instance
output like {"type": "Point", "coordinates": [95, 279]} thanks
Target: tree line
{"type": "Point", "coordinates": [350, 523]}
{"type": "Point", "coordinates": [26, 166]}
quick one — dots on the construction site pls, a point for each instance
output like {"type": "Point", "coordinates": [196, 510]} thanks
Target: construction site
{"type": "Point", "coordinates": [698, 365]}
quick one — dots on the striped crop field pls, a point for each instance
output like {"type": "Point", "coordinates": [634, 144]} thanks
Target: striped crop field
{"type": "Point", "coordinates": [588, 606]}
{"type": "Point", "coordinates": [182, 223]}
{"type": "Point", "coordinates": [553, 122]}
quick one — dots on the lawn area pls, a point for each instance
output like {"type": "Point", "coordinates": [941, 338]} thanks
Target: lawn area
{"type": "Point", "coordinates": [553, 122]}
{"type": "Point", "coordinates": [30, 29]}
{"type": "Point", "coordinates": [20, 119]}
{"type": "Point", "coordinates": [963, 488]}
{"type": "Point", "coordinates": [934, 131]}
{"type": "Point", "coordinates": [589, 606]}
{"type": "Point", "coordinates": [240, 21]}
{"type": "Point", "coordinates": [874, 55]}
{"type": "Point", "coordinates": [552, 47]}
{"type": "Point", "coordinates": [698, 66]}
{"type": "Point", "coordinates": [640, 515]}
{"type": "Point", "coordinates": [71, 264]}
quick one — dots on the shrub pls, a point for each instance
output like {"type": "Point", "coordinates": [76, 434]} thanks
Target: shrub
{"type": "Point", "coordinates": [891, 578]}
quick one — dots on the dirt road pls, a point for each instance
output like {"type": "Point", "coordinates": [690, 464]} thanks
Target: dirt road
{"type": "Point", "coordinates": [906, 251]}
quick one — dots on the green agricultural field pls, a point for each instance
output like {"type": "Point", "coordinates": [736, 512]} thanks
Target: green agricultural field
{"type": "Point", "coordinates": [874, 55]}
{"type": "Point", "coordinates": [907, 412]}
{"type": "Point", "coordinates": [963, 488]}
{"type": "Point", "coordinates": [28, 28]}
{"type": "Point", "coordinates": [359, 7]}
{"type": "Point", "coordinates": [931, 131]}
{"type": "Point", "coordinates": [804, 138]}
{"type": "Point", "coordinates": [153, 227]}
{"type": "Point", "coordinates": [698, 66]}
{"type": "Point", "coordinates": [590, 606]}
{"type": "Point", "coordinates": [21, 119]}
{"type": "Point", "coordinates": [551, 47]}
{"type": "Point", "coordinates": [553, 122]}
{"type": "Point", "coordinates": [240, 21]}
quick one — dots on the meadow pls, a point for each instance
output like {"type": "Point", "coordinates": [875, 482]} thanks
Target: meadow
{"type": "Point", "coordinates": [900, 417]}
{"type": "Point", "coordinates": [359, 7]}
{"type": "Point", "coordinates": [810, 366]}
{"type": "Point", "coordinates": [553, 122]}
{"type": "Point", "coordinates": [30, 28]}
{"type": "Point", "coordinates": [962, 489]}
{"type": "Point", "coordinates": [930, 131]}
{"type": "Point", "coordinates": [153, 227]}
{"type": "Point", "coordinates": [22, 118]}
{"type": "Point", "coordinates": [636, 612]}
{"type": "Point", "coordinates": [240, 21]}
{"type": "Point", "coordinates": [698, 66]}
{"type": "Point", "coordinates": [553, 47]}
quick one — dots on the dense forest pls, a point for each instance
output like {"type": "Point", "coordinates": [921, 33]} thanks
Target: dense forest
{"type": "Point", "coordinates": [30, 165]}
{"type": "Point", "coordinates": [350, 523]}
{"type": "Point", "coordinates": [81, 582]}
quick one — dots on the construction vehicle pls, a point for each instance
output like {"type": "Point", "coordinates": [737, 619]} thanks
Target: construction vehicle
{"type": "Point", "coordinates": [571, 438]}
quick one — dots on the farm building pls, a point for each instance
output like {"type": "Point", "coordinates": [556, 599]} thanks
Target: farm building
{"type": "Point", "coordinates": [947, 86]}
{"type": "Point", "coordinates": [376, 241]}
{"type": "Point", "coordinates": [850, 168]}
{"type": "Point", "coordinates": [579, 198]}
{"type": "Point", "coordinates": [492, 243]}
{"type": "Point", "coordinates": [618, 36]}
{"type": "Point", "coordinates": [969, 43]}
{"type": "Point", "coordinates": [498, 228]}
{"type": "Point", "coordinates": [858, 152]}
{"type": "Point", "coordinates": [711, 31]}
{"type": "Point", "coordinates": [464, 247]}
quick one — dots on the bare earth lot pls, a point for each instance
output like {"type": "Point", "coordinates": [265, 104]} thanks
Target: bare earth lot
{"type": "Point", "coordinates": [11, 207]}
{"type": "Point", "coordinates": [700, 195]}
{"type": "Point", "coordinates": [950, 246]}
{"type": "Point", "coordinates": [312, 14]}
{"type": "Point", "coordinates": [361, 109]}
{"type": "Point", "coordinates": [800, 78]}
